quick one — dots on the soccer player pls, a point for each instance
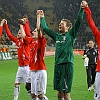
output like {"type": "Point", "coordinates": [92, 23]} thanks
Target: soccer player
{"type": "Point", "coordinates": [91, 53]}
{"type": "Point", "coordinates": [23, 59]}
{"type": "Point", "coordinates": [37, 67]}
{"type": "Point", "coordinates": [64, 60]}
{"type": "Point", "coordinates": [25, 28]}
{"type": "Point", "coordinates": [96, 33]}
{"type": "Point", "coordinates": [39, 74]}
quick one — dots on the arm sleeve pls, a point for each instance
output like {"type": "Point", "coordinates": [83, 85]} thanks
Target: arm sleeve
{"type": "Point", "coordinates": [91, 22]}
{"type": "Point", "coordinates": [13, 38]}
{"type": "Point", "coordinates": [27, 29]}
{"type": "Point", "coordinates": [77, 23]}
{"type": "Point", "coordinates": [42, 41]}
{"type": "Point", "coordinates": [0, 30]}
{"type": "Point", "coordinates": [84, 52]}
{"type": "Point", "coordinates": [46, 29]}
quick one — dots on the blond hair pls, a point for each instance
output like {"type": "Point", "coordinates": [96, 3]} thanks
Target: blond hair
{"type": "Point", "coordinates": [68, 23]}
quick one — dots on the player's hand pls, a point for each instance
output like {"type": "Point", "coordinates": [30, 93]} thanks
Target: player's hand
{"type": "Point", "coordinates": [84, 56]}
{"type": "Point", "coordinates": [84, 4]}
{"type": "Point", "coordinates": [22, 21]}
{"type": "Point", "coordinates": [40, 12]}
{"type": "Point", "coordinates": [4, 21]}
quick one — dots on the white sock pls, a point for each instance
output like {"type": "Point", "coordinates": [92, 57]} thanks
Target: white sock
{"type": "Point", "coordinates": [34, 98]}
{"type": "Point", "coordinates": [45, 98]}
{"type": "Point", "coordinates": [16, 92]}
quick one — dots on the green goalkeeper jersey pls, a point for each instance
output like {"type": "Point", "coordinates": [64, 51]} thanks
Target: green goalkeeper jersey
{"type": "Point", "coordinates": [64, 42]}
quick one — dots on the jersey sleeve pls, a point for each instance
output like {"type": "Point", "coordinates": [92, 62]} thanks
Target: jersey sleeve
{"type": "Point", "coordinates": [27, 28]}
{"type": "Point", "coordinates": [1, 30]}
{"type": "Point", "coordinates": [13, 38]}
{"type": "Point", "coordinates": [77, 23]}
{"type": "Point", "coordinates": [41, 46]}
{"type": "Point", "coordinates": [84, 52]}
{"type": "Point", "coordinates": [42, 41]}
{"type": "Point", "coordinates": [91, 22]}
{"type": "Point", "coordinates": [46, 29]}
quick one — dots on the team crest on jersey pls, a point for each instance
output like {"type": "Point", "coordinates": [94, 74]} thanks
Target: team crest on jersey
{"type": "Point", "coordinates": [64, 38]}
{"type": "Point", "coordinates": [93, 53]}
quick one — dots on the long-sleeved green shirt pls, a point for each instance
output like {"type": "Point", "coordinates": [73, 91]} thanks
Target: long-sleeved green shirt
{"type": "Point", "coordinates": [64, 42]}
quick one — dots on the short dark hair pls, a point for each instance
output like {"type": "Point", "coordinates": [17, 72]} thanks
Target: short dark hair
{"type": "Point", "coordinates": [25, 16]}
{"type": "Point", "coordinates": [91, 40]}
{"type": "Point", "coordinates": [68, 23]}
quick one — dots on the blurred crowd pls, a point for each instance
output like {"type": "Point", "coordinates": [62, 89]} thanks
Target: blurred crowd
{"type": "Point", "coordinates": [12, 10]}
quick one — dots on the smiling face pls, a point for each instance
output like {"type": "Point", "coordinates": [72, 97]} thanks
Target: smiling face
{"type": "Point", "coordinates": [64, 26]}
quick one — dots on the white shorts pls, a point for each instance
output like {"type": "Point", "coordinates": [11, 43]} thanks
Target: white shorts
{"type": "Point", "coordinates": [29, 77]}
{"type": "Point", "coordinates": [22, 74]}
{"type": "Point", "coordinates": [38, 82]}
{"type": "Point", "coordinates": [97, 87]}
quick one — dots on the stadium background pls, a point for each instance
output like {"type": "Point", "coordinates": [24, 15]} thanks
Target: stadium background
{"type": "Point", "coordinates": [54, 10]}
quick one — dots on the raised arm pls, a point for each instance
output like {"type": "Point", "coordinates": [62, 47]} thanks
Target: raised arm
{"type": "Point", "coordinates": [1, 26]}
{"type": "Point", "coordinates": [13, 38]}
{"type": "Point", "coordinates": [25, 22]}
{"type": "Point", "coordinates": [22, 31]}
{"type": "Point", "coordinates": [90, 21]}
{"type": "Point", "coordinates": [76, 25]}
{"type": "Point", "coordinates": [28, 39]}
{"type": "Point", "coordinates": [38, 24]}
{"type": "Point", "coordinates": [45, 28]}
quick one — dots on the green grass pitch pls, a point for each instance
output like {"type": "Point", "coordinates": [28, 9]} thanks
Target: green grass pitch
{"type": "Point", "coordinates": [79, 91]}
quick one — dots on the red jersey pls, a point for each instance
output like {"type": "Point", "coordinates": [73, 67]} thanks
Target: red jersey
{"type": "Point", "coordinates": [27, 30]}
{"type": "Point", "coordinates": [33, 44]}
{"type": "Point", "coordinates": [33, 49]}
{"type": "Point", "coordinates": [22, 48]}
{"type": "Point", "coordinates": [37, 49]}
{"type": "Point", "coordinates": [0, 30]}
{"type": "Point", "coordinates": [39, 58]}
{"type": "Point", "coordinates": [96, 33]}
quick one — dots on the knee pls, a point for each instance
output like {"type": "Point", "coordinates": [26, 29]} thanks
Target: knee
{"type": "Point", "coordinates": [60, 94]}
{"type": "Point", "coordinates": [33, 95]}
{"type": "Point", "coordinates": [40, 96]}
{"type": "Point", "coordinates": [16, 84]}
{"type": "Point", "coordinates": [67, 96]}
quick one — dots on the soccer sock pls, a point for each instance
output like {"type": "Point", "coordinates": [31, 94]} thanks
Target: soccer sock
{"type": "Point", "coordinates": [44, 98]}
{"type": "Point", "coordinates": [16, 92]}
{"type": "Point", "coordinates": [34, 98]}
{"type": "Point", "coordinates": [28, 88]}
